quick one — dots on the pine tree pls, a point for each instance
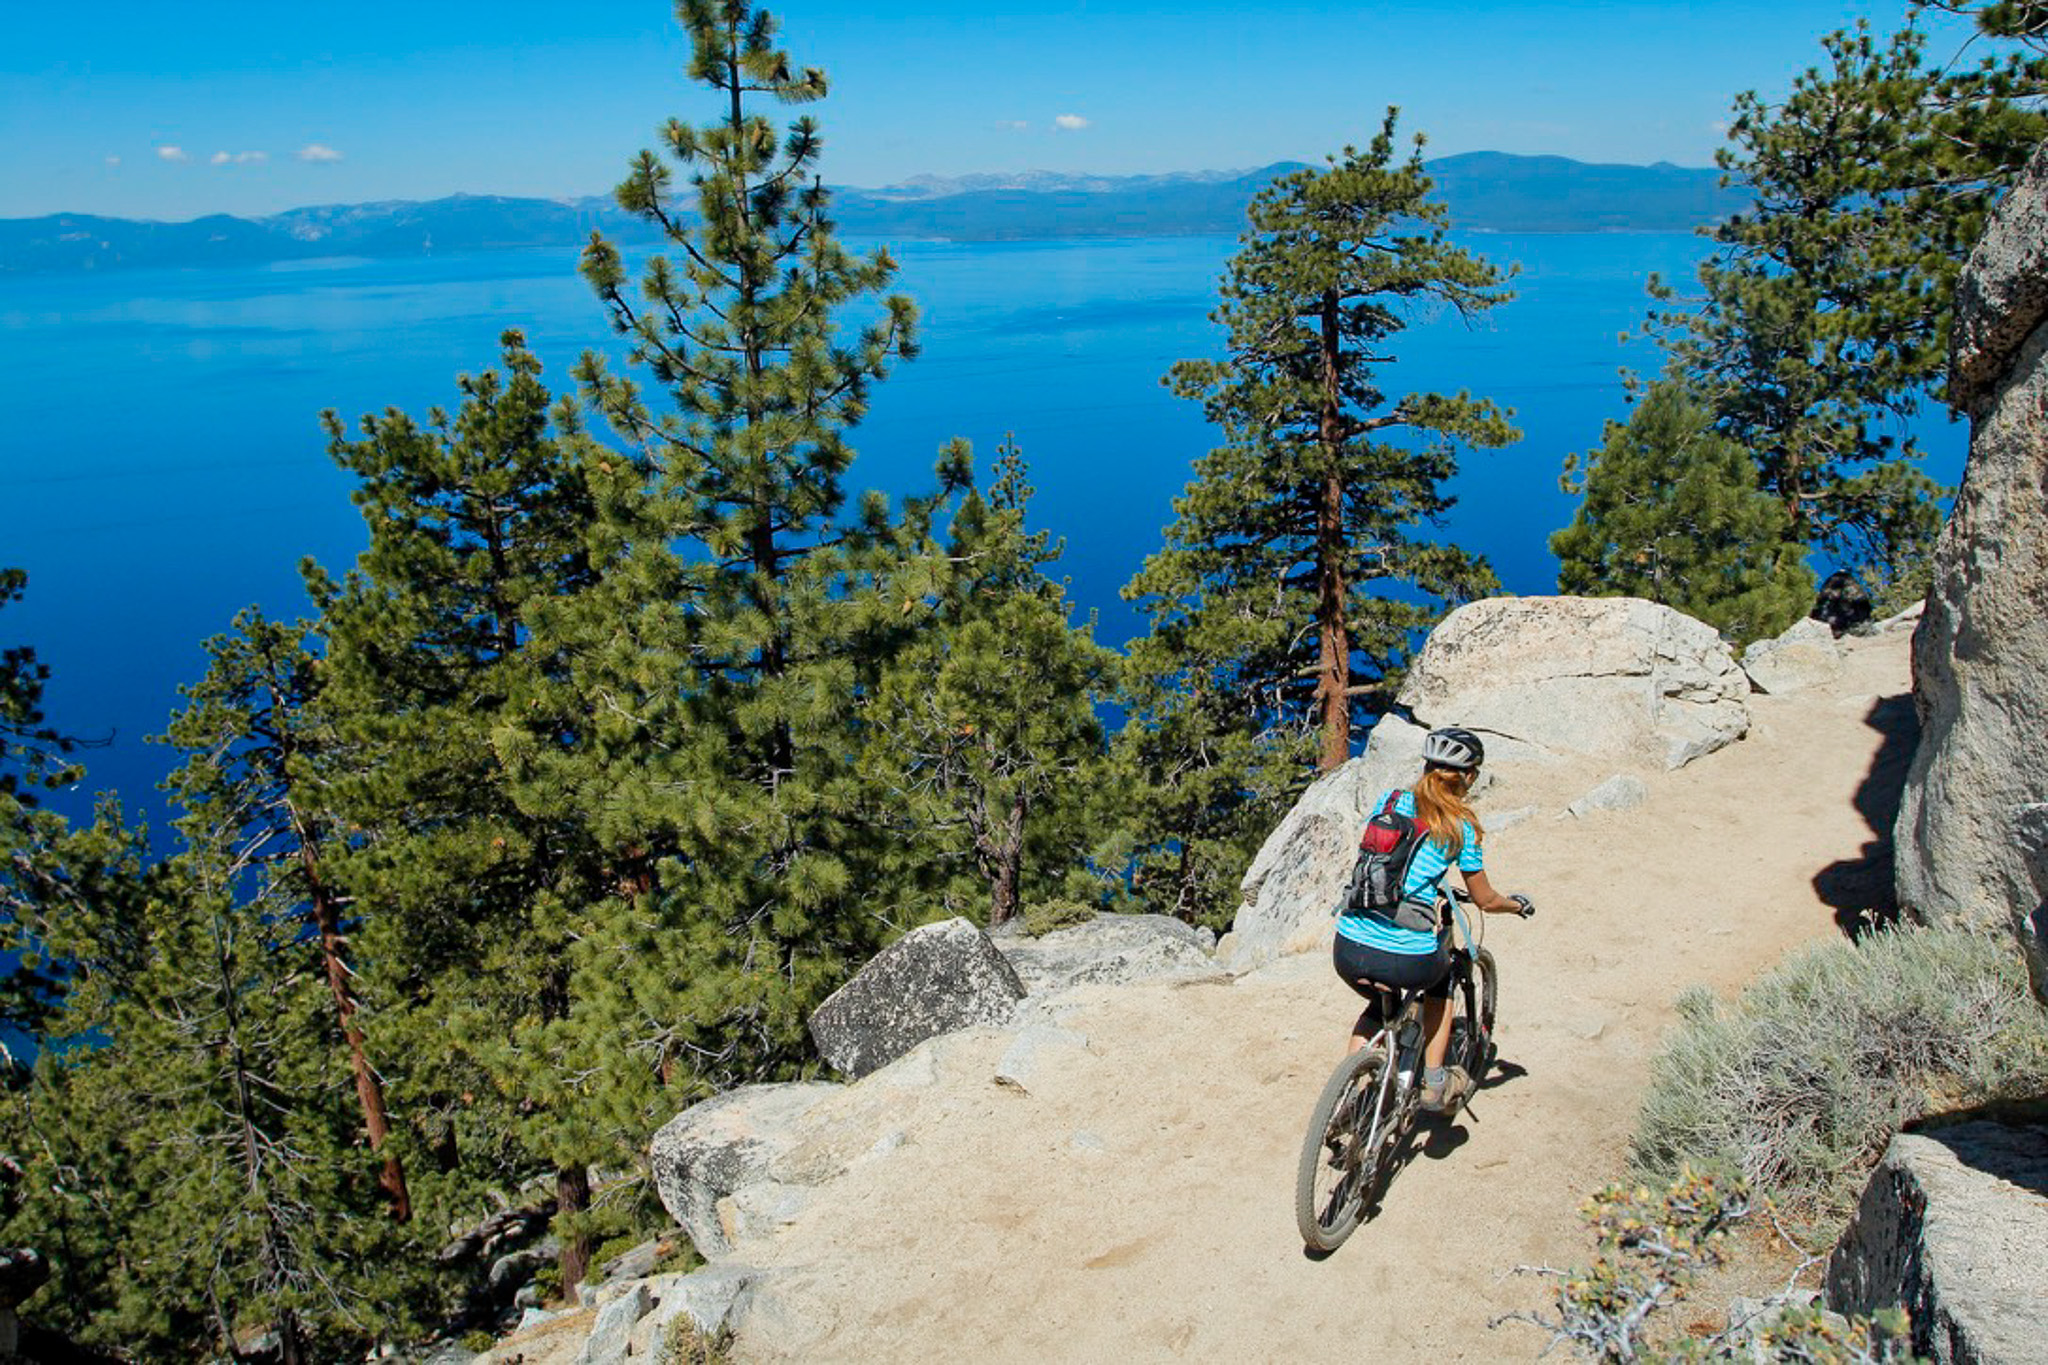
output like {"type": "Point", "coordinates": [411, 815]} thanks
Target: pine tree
{"type": "Point", "coordinates": [55, 878]}
{"type": "Point", "coordinates": [193, 1139]}
{"type": "Point", "coordinates": [1294, 567]}
{"type": "Point", "coordinates": [1671, 512]}
{"type": "Point", "coordinates": [258, 753]}
{"type": "Point", "coordinates": [195, 1125]}
{"type": "Point", "coordinates": [720, 663]}
{"type": "Point", "coordinates": [984, 730]}
{"type": "Point", "coordinates": [1823, 318]}
{"type": "Point", "coordinates": [475, 519]}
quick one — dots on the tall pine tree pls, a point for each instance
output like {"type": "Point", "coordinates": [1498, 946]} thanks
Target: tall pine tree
{"type": "Point", "coordinates": [721, 662]}
{"type": "Point", "coordinates": [1823, 316]}
{"type": "Point", "coordinates": [475, 519]}
{"type": "Point", "coordinates": [1294, 575]}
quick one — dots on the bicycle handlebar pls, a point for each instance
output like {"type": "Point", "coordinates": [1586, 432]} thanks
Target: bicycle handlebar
{"type": "Point", "coordinates": [1528, 906]}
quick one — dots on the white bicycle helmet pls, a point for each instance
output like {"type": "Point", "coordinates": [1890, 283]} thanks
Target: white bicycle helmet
{"type": "Point", "coordinates": [1453, 748]}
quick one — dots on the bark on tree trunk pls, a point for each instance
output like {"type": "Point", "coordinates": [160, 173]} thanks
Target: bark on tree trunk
{"type": "Point", "coordinates": [334, 953]}
{"type": "Point", "coordinates": [334, 956]}
{"type": "Point", "coordinates": [1003, 902]}
{"type": "Point", "coordinates": [1333, 686]}
{"type": "Point", "coordinates": [572, 1196]}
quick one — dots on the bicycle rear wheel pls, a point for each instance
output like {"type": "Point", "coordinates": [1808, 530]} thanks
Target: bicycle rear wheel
{"type": "Point", "coordinates": [1341, 1152]}
{"type": "Point", "coordinates": [1474, 1000]}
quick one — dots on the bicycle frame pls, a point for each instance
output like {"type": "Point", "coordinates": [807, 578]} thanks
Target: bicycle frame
{"type": "Point", "coordinates": [1401, 1032]}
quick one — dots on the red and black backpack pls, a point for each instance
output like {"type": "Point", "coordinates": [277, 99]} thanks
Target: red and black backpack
{"type": "Point", "coordinates": [1384, 852]}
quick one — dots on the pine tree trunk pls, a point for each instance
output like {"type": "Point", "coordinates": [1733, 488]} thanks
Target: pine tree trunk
{"type": "Point", "coordinates": [1009, 866]}
{"type": "Point", "coordinates": [334, 953]}
{"type": "Point", "coordinates": [1333, 683]}
{"type": "Point", "coordinates": [334, 956]}
{"type": "Point", "coordinates": [572, 1196]}
{"type": "Point", "coordinates": [291, 1340]}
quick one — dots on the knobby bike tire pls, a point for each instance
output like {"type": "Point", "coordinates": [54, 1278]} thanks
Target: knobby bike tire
{"type": "Point", "coordinates": [1335, 1176]}
{"type": "Point", "coordinates": [1477, 999]}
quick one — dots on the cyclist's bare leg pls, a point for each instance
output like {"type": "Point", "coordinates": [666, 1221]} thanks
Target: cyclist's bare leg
{"type": "Point", "coordinates": [1370, 1021]}
{"type": "Point", "coordinates": [1436, 1022]}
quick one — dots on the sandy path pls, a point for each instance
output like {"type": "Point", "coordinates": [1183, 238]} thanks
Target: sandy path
{"type": "Point", "coordinates": [1136, 1205]}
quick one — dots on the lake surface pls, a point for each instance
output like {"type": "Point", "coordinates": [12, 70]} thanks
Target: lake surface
{"type": "Point", "coordinates": [162, 465]}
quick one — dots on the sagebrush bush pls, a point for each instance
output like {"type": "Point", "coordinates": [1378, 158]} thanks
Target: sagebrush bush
{"type": "Point", "coordinates": [1802, 1080]}
{"type": "Point", "coordinates": [1653, 1248]}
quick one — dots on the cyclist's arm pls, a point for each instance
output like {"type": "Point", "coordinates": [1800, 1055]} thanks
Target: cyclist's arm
{"type": "Point", "coordinates": [1486, 898]}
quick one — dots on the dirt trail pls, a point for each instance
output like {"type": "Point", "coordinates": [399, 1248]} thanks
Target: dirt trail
{"type": "Point", "coordinates": [1136, 1205]}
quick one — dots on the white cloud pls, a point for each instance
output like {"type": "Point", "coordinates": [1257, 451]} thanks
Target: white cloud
{"type": "Point", "coordinates": [318, 151]}
{"type": "Point", "coordinates": [113, 161]}
{"type": "Point", "coordinates": [1014, 125]}
{"type": "Point", "coordinates": [1072, 123]}
{"type": "Point", "coordinates": [237, 158]}
{"type": "Point", "coordinates": [172, 153]}
{"type": "Point", "coordinates": [220, 158]}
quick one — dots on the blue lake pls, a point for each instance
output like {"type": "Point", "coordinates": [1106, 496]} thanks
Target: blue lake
{"type": "Point", "coordinates": [162, 463]}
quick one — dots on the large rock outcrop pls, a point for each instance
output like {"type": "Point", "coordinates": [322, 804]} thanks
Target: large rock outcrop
{"type": "Point", "coordinates": [722, 1147]}
{"type": "Point", "coordinates": [1616, 678]}
{"type": "Point", "coordinates": [934, 979]}
{"type": "Point", "coordinates": [1106, 950]}
{"type": "Point", "coordinates": [1953, 1228]}
{"type": "Point", "coordinates": [1617, 682]}
{"type": "Point", "coordinates": [1291, 888]}
{"type": "Point", "coordinates": [1980, 655]}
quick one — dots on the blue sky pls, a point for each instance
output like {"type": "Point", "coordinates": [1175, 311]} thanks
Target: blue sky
{"type": "Point", "coordinates": [171, 111]}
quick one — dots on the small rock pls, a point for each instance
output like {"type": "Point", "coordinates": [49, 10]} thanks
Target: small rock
{"type": "Point", "coordinates": [712, 1298]}
{"type": "Point", "coordinates": [1108, 949]}
{"type": "Point", "coordinates": [610, 1337]}
{"type": "Point", "coordinates": [1088, 1143]}
{"type": "Point", "coordinates": [634, 1264]}
{"type": "Point", "coordinates": [1620, 792]}
{"type": "Point", "coordinates": [1497, 821]}
{"type": "Point", "coordinates": [1805, 656]}
{"type": "Point", "coordinates": [722, 1145]}
{"type": "Point", "coordinates": [534, 1317]}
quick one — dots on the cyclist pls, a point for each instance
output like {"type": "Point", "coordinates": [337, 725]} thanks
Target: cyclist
{"type": "Point", "coordinates": [1376, 952]}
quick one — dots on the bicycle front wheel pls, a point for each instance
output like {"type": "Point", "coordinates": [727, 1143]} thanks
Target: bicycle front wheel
{"type": "Point", "coordinates": [1475, 1000]}
{"type": "Point", "coordinates": [1340, 1154]}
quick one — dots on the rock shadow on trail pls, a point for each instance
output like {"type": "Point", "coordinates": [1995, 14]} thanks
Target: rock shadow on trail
{"type": "Point", "coordinates": [1861, 890]}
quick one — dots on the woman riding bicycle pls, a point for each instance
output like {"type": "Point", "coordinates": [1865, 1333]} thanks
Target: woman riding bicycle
{"type": "Point", "coordinates": [1374, 952]}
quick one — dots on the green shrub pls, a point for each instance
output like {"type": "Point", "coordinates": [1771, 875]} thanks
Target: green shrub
{"type": "Point", "coordinates": [684, 1344]}
{"type": "Point", "coordinates": [1803, 1079]}
{"type": "Point", "coordinates": [1042, 917]}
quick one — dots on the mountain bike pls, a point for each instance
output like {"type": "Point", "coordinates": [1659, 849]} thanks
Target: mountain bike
{"type": "Point", "coordinates": [1358, 1134]}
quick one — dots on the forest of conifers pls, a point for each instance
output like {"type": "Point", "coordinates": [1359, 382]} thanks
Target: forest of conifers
{"type": "Point", "coordinates": [635, 729]}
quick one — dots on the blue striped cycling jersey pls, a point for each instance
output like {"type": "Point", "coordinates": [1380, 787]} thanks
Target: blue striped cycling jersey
{"type": "Point", "coordinates": [1424, 882]}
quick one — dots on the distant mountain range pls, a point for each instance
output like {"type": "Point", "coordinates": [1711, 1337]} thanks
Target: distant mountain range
{"type": "Point", "coordinates": [1491, 191]}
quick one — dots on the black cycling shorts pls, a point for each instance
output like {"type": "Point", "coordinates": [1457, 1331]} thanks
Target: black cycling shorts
{"type": "Point", "coordinates": [1365, 969]}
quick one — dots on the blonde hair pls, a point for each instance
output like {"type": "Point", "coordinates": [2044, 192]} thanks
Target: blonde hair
{"type": "Point", "coordinates": [1441, 807]}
